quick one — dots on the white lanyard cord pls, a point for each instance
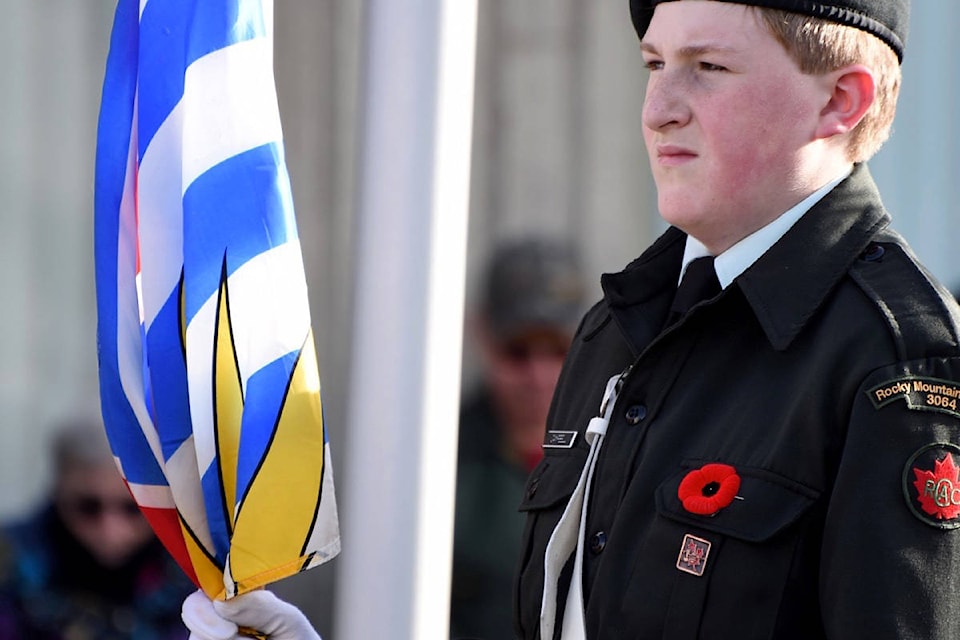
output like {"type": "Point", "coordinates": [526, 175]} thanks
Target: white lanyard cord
{"type": "Point", "coordinates": [569, 532]}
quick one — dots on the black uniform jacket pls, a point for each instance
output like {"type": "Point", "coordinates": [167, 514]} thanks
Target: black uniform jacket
{"type": "Point", "coordinates": [826, 378]}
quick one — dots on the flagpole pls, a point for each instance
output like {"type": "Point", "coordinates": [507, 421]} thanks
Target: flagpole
{"type": "Point", "coordinates": [399, 474]}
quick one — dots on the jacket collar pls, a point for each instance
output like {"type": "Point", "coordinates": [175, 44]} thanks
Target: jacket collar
{"type": "Point", "coordinates": [787, 284]}
{"type": "Point", "coordinates": [784, 287]}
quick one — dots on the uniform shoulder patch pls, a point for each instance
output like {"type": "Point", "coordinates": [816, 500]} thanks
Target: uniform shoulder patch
{"type": "Point", "coordinates": [920, 393]}
{"type": "Point", "coordinates": [931, 485]}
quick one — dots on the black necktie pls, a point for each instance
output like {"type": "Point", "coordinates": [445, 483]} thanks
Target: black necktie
{"type": "Point", "coordinates": [699, 283]}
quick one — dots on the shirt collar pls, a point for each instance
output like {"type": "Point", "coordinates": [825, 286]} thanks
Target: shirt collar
{"type": "Point", "coordinates": [784, 287]}
{"type": "Point", "coordinates": [738, 258]}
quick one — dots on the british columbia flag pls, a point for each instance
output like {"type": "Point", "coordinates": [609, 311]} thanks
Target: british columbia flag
{"type": "Point", "coordinates": [209, 382]}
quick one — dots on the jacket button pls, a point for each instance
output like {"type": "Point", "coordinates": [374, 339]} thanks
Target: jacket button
{"type": "Point", "coordinates": [873, 253]}
{"type": "Point", "coordinates": [532, 489]}
{"type": "Point", "coordinates": [636, 413]}
{"type": "Point", "coordinates": [597, 542]}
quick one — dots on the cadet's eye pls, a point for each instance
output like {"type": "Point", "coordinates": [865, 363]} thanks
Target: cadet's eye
{"type": "Point", "coordinates": [653, 64]}
{"type": "Point", "coordinates": [709, 66]}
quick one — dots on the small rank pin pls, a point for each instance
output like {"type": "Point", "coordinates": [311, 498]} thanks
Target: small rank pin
{"type": "Point", "coordinates": [559, 439]}
{"type": "Point", "coordinates": [693, 555]}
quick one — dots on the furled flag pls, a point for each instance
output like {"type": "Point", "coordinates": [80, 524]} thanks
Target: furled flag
{"type": "Point", "coordinates": [208, 376]}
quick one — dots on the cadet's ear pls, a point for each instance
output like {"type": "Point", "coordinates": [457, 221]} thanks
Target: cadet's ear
{"type": "Point", "coordinates": [853, 91]}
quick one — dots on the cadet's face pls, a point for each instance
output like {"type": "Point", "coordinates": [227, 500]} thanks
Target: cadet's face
{"type": "Point", "coordinates": [725, 119]}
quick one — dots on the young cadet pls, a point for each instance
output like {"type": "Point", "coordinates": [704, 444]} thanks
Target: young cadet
{"type": "Point", "coordinates": [771, 450]}
{"type": "Point", "coordinates": [775, 456]}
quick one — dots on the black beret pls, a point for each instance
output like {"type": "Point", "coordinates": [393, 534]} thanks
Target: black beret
{"type": "Point", "coordinates": [886, 19]}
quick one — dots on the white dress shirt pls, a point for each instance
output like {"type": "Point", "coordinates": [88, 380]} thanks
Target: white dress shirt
{"type": "Point", "coordinates": [735, 260]}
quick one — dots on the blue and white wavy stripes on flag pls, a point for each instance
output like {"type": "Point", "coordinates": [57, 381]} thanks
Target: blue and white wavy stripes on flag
{"type": "Point", "coordinates": [209, 383]}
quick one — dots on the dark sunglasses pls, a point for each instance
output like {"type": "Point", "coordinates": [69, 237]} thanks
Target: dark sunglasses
{"type": "Point", "coordinates": [521, 351]}
{"type": "Point", "coordinates": [93, 507]}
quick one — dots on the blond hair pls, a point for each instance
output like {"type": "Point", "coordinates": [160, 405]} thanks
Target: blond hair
{"type": "Point", "coordinates": [819, 46]}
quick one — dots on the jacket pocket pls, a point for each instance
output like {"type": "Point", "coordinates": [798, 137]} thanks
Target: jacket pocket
{"type": "Point", "coordinates": [545, 496]}
{"type": "Point", "coordinates": [723, 575]}
{"type": "Point", "coordinates": [766, 504]}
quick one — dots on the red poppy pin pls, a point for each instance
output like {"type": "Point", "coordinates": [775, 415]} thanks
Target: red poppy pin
{"type": "Point", "coordinates": [706, 490]}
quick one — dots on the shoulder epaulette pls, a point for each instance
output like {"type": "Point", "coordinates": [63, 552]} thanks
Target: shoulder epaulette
{"type": "Point", "coordinates": [923, 317]}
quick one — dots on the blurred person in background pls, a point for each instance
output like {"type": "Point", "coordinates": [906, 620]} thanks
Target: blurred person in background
{"type": "Point", "coordinates": [532, 298]}
{"type": "Point", "coordinates": [86, 565]}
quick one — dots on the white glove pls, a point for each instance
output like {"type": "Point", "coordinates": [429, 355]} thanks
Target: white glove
{"type": "Point", "coordinates": [203, 620]}
{"type": "Point", "coordinates": [260, 610]}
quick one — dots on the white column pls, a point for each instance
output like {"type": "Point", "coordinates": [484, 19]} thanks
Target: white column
{"type": "Point", "coordinates": [399, 468]}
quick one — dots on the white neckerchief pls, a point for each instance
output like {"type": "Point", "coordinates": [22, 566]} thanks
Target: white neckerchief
{"type": "Point", "coordinates": [568, 535]}
{"type": "Point", "coordinates": [738, 258]}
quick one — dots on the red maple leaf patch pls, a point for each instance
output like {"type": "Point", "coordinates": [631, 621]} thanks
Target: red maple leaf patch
{"type": "Point", "coordinates": [939, 490]}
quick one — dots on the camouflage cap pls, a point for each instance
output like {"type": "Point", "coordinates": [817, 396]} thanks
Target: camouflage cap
{"type": "Point", "coordinates": [533, 283]}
